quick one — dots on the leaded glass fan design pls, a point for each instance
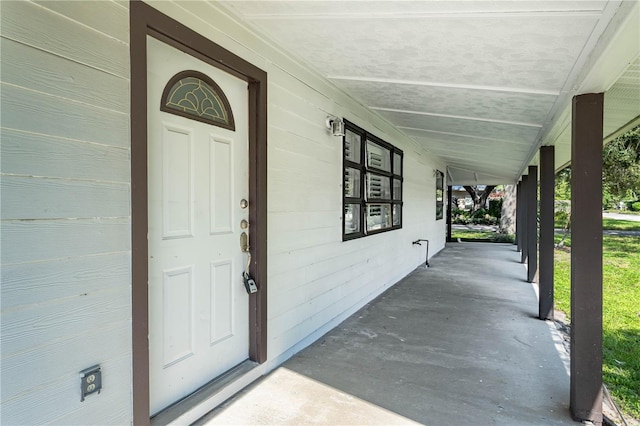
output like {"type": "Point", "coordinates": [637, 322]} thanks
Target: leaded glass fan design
{"type": "Point", "coordinates": [194, 95]}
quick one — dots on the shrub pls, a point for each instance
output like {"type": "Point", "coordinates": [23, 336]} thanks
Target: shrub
{"type": "Point", "coordinates": [635, 206]}
{"type": "Point", "coordinates": [461, 220]}
{"type": "Point", "coordinates": [609, 201]}
{"type": "Point", "coordinates": [480, 217]}
{"type": "Point", "coordinates": [560, 217]}
{"type": "Point", "coordinates": [478, 214]}
{"type": "Point", "coordinates": [503, 238]}
{"type": "Point", "coordinates": [495, 208]}
{"type": "Point", "coordinates": [458, 212]}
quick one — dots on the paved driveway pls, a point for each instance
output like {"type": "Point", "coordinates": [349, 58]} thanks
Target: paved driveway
{"type": "Point", "coordinates": [619, 216]}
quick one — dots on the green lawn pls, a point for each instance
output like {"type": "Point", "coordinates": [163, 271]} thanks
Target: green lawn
{"type": "Point", "coordinates": [607, 224]}
{"type": "Point", "coordinates": [620, 225]}
{"type": "Point", "coordinates": [621, 315]}
{"type": "Point", "coordinates": [612, 224]}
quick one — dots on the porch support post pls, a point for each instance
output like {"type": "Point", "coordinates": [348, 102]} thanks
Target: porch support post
{"type": "Point", "coordinates": [545, 278]}
{"type": "Point", "coordinates": [586, 258]}
{"type": "Point", "coordinates": [523, 218]}
{"type": "Point", "coordinates": [532, 223]}
{"type": "Point", "coordinates": [449, 208]}
{"type": "Point", "coordinates": [519, 216]}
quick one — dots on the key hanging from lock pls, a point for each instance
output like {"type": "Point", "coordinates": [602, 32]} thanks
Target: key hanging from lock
{"type": "Point", "coordinates": [249, 282]}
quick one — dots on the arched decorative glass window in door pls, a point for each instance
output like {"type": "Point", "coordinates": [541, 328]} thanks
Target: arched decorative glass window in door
{"type": "Point", "coordinates": [194, 95]}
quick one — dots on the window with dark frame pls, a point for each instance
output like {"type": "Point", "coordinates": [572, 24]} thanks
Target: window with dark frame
{"type": "Point", "coordinates": [372, 182]}
{"type": "Point", "coordinates": [439, 194]}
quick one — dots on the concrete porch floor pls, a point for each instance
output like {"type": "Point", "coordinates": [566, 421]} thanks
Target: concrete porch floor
{"type": "Point", "coordinates": [455, 344]}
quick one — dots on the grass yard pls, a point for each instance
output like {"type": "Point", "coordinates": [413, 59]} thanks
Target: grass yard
{"type": "Point", "coordinates": [621, 314]}
{"type": "Point", "coordinates": [620, 225]}
{"type": "Point", "coordinates": [612, 224]}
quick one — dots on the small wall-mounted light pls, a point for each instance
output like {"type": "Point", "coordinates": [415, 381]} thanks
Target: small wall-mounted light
{"type": "Point", "coordinates": [336, 125]}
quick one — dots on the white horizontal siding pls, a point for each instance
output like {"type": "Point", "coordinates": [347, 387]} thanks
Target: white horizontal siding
{"type": "Point", "coordinates": [29, 327]}
{"type": "Point", "coordinates": [37, 240]}
{"type": "Point", "coordinates": [283, 139]}
{"type": "Point", "coordinates": [62, 117]}
{"type": "Point", "coordinates": [60, 404]}
{"type": "Point", "coordinates": [31, 154]}
{"type": "Point", "coordinates": [27, 197]}
{"type": "Point", "coordinates": [293, 221]}
{"type": "Point", "coordinates": [419, 186]}
{"type": "Point", "coordinates": [39, 282]}
{"type": "Point", "coordinates": [37, 367]}
{"type": "Point", "coordinates": [37, 26]}
{"type": "Point", "coordinates": [315, 278]}
{"type": "Point", "coordinates": [46, 72]}
{"type": "Point", "coordinates": [66, 226]}
{"type": "Point", "coordinates": [107, 17]}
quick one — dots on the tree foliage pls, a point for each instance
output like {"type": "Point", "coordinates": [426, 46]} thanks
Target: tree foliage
{"type": "Point", "coordinates": [563, 184]}
{"type": "Point", "coordinates": [620, 171]}
{"type": "Point", "coordinates": [621, 167]}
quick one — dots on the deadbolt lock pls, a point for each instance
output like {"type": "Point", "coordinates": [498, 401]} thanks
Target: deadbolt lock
{"type": "Point", "coordinates": [244, 224]}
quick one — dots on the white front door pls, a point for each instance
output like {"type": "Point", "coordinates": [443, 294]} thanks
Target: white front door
{"type": "Point", "coordinates": [197, 177]}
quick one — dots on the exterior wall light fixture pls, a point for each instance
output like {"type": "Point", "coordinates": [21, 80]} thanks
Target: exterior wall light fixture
{"type": "Point", "coordinates": [336, 125]}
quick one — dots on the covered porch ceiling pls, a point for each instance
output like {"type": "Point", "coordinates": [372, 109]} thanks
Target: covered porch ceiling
{"type": "Point", "coordinates": [479, 84]}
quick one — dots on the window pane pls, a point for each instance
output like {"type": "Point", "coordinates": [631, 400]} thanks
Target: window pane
{"type": "Point", "coordinates": [378, 187]}
{"type": "Point", "coordinates": [351, 218]}
{"type": "Point", "coordinates": [352, 146]}
{"type": "Point", "coordinates": [351, 182]}
{"type": "Point", "coordinates": [378, 157]}
{"type": "Point", "coordinates": [439, 180]}
{"type": "Point", "coordinates": [397, 214]}
{"type": "Point", "coordinates": [397, 164]}
{"type": "Point", "coordinates": [439, 195]}
{"type": "Point", "coordinates": [378, 216]}
{"type": "Point", "coordinates": [397, 189]}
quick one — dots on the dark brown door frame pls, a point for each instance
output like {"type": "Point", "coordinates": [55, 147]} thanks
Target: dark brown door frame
{"type": "Point", "coordinates": [145, 21]}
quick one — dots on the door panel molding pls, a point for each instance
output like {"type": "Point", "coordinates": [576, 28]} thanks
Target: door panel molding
{"type": "Point", "coordinates": [145, 20]}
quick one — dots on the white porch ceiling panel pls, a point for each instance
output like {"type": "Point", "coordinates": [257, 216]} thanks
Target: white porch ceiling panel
{"type": "Point", "coordinates": [478, 83]}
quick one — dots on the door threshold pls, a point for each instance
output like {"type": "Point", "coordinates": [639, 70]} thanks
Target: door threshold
{"type": "Point", "coordinates": [192, 407]}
